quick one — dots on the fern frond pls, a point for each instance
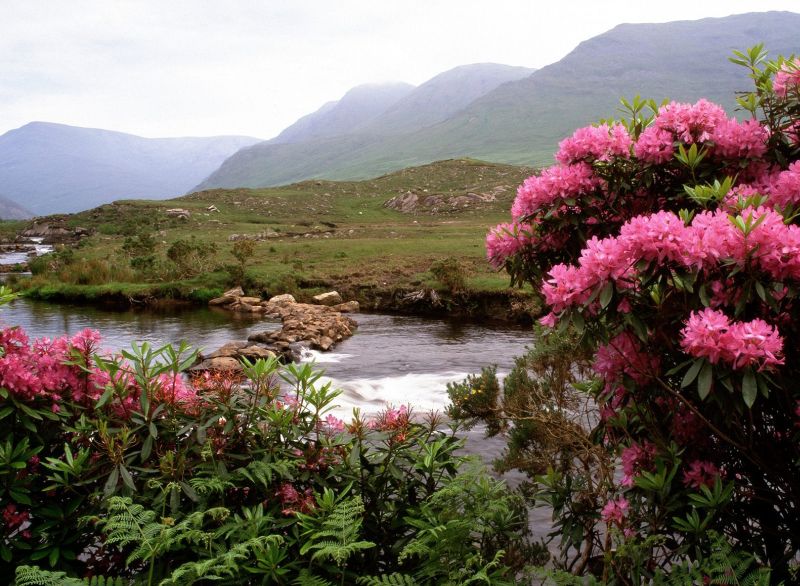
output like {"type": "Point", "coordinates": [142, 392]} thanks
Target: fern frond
{"type": "Point", "coordinates": [35, 576]}
{"type": "Point", "coordinates": [306, 578]}
{"type": "Point", "coordinates": [264, 472]}
{"type": "Point", "coordinates": [209, 485]}
{"type": "Point", "coordinates": [338, 538]}
{"type": "Point", "coordinates": [228, 564]}
{"type": "Point", "coordinates": [395, 579]}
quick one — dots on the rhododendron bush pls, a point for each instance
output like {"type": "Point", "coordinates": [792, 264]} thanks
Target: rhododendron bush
{"type": "Point", "coordinates": [669, 242]}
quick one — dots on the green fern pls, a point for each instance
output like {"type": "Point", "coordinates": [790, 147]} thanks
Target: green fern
{"type": "Point", "coordinates": [210, 485]}
{"type": "Point", "coordinates": [337, 540]}
{"type": "Point", "coordinates": [395, 579]}
{"type": "Point", "coordinates": [35, 576]}
{"type": "Point", "coordinates": [724, 566]}
{"type": "Point", "coordinates": [225, 565]}
{"type": "Point", "coordinates": [306, 578]}
{"type": "Point", "coordinates": [264, 472]}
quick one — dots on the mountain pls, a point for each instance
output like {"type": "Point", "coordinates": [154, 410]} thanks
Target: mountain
{"type": "Point", "coordinates": [442, 96]}
{"type": "Point", "coordinates": [50, 168]}
{"type": "Point", "coordinates": [522, 121]}
{"type": "Point", "coordinates": [357, 107]}
{"type": "Point", "coordinates": [432, 102]}
{"type": "Point", "coordinates": [10, 210]}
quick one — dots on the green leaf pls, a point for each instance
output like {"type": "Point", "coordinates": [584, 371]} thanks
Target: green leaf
{"type": "Point", "coordinates": [749, 388]}
{"type": "Point", "coordinates": [127, 478]}
{"type": "Point", "coordinates": [147, 447]}
{"type": "Point", "coordinates": [110, 486]}
{"type": "Point", "coordinates": [692, 373]}
{"type": "Point", "coordinates": [606, 294]}
{"type": "Point", "coordinates": [761, 292]}
{"type": "Point", "coordinates": [704, 380]}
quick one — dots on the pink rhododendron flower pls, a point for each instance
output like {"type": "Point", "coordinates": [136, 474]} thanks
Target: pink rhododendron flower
{"type": "Point", "coordinates": [690, 123]}
{"type": "Point", "coordinates": [624, 355]}
{"type": "Point", "coordinates": [784, 188]}
{"type": "Point", "coordinates": [739, 140]}
{"type": "Point", "coordinates": [701, 122]}
{"type": "Point", "coordinates": [601, 143]}
{"type": "Point", "coordinates": [710, 334]}
{"type": "Point", "coordinates": [559, 182]}
{"type": "Point", "coordinates": [506, 240]}
{"type": "Point", "coordinates": [700, 473]}
{"type": "Point", "coordinates": [635, 459]}
{"type": "Point", "coordinates": [615, 512]}
{"type": "Point", "coordinates": [332, 424]}
{"type": "Point", "coordinates": [787, 79]}
{"type": "Point", "coordinates": [655, 145]}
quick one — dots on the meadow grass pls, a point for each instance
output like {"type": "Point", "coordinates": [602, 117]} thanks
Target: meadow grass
{"type": "Point", "coordinates": [312, 235]}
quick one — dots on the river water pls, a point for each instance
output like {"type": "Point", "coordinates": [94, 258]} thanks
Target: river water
{"type": "Point", "coordinates": [391, 360]}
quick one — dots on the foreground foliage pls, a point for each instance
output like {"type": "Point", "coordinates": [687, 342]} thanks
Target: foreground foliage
{"type": "Point", "coordinates": [119, 470]}
{"type": "Point", "coordinates": [660, 410]}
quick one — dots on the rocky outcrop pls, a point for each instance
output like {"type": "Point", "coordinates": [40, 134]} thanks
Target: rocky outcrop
{"type": "Point", "coordinates": [55, 231]}
{"type": "Point", "coordinates": [411, 202]}
{"type": "Point", "coordinates": [319, 327]}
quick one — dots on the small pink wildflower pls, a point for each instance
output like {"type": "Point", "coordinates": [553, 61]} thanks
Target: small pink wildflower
{"type": "Point", "coordinates": [615, 512]}
{"type": "Point", "coordinates": [787, 79]}
{"type": "Point", "coordinates": [635, 459]}
{"type": "Point", "coordinates": [700, 473]}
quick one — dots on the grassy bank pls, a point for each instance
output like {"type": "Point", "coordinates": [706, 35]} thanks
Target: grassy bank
{"type": "Point", "coordinates": [300, 239]}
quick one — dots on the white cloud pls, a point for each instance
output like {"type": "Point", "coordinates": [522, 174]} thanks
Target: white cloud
{"type": "Point", "coordinates": [201, 67]}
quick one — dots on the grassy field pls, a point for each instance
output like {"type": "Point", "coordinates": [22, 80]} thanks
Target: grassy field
{"type": "Point", "coordinates": [307, 237]}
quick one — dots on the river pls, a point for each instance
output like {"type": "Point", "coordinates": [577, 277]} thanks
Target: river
{"type": "Point", "coordinates": [391, 360]}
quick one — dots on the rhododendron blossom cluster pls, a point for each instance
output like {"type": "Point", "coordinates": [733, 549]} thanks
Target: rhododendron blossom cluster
{"type": "Point", "coordinates": [787, 79]}
{"type": "Point", "coordinates": [63, 369]}
{"type": "Point", "coordinates": [555, 185]}
{"type": "Point", "coordinates": [710, 241]}
{"type": "Point", "coordinates": [710, 334]}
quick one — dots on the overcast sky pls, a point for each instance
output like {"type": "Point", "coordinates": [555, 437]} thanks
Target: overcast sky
{"type": "Point", "coordinates": [207, 67]}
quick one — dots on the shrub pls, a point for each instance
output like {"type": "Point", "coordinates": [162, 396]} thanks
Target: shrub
{"type": "Point", "coordinates": [191, 257]}
{"type": "Point", "coordinates": [669, 244]}
{"type": "Point", "coordinates": [450, 273]}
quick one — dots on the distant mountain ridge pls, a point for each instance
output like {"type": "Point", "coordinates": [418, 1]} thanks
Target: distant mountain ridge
{"type": "Point", "coordinates": [521, 121]}
{"type": "Point", "coordinates": [357, 107]}
{"type": "Point", "coordinates": [10, 210]}
{"type": "Point", "coordinates": [432, 102]}
{"type": "Point", "coordinates": [48, 168]}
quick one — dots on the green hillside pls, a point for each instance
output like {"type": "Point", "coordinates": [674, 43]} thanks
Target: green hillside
{"type": "Point", "coordinates": [307, 237]}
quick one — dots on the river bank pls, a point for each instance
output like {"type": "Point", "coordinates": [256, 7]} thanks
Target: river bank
{"type": "Point", "coordinates": [506, 306]}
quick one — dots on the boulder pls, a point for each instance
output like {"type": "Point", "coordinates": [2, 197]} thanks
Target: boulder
{"type": "Point", "coordinates": [255, 352]}
{"type": "Point", "coordinates": [229, 350]}
{"type": "Point", "coordinates": [223, 363]}
{"type": "Point", "coordinates": [330, 298]}
{"type": "Point", "coordinates": [282, 299]}
{"type": "Point", "coordinates": [347, 307]}
{"type": "Point", "coordinates": [250, 300]}
{"type": "Point", "coordinates": [230, 296]}
{"type": "Point", "coordinates": [235, 292]}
